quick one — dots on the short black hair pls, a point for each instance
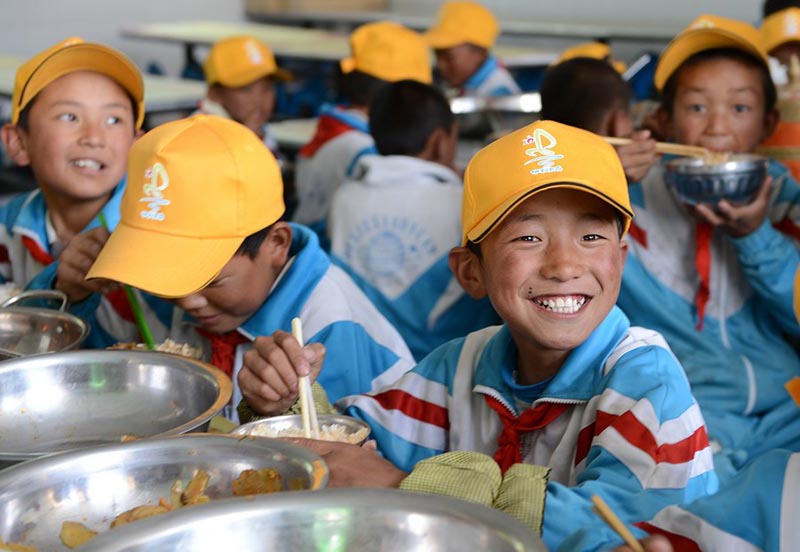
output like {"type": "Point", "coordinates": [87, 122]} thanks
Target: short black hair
{"type": "Point", "coordinates": [582, 91]}
{"type": "Point", "coordinates": [404, 114]}
{"type": "Point", "coordinates": [745, 58]}
{"type": "Point", "coordinates": [252, 243]}
{"type": "Point", "coordinates": [358, 88]}
{"type": "Point", "coordinates": [772, 6]}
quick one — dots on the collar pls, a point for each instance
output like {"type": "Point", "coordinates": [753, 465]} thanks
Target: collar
{"type": "Point", "coordinates": [482, 74]}
{"type": "Point", "coordinates": [351, 117]}
{"type": "Point", "coordinates": [578, 378]}
{"type": "Point", "coordinates": [394, 170]}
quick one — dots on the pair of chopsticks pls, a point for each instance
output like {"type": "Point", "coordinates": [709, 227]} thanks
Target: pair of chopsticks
{"type": "Point", "coordinates": [667, 147]}
{"type": "Point", "coordinates": [607, 514]}
{"type": "Point", "coordinates": [308, 410]}
{"type": "Point", "coordinates": [141, 323]}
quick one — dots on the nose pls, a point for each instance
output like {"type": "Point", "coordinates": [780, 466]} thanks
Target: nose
{"type": "Point", "coordinates": [717, 122]}
{"type": "Point", "coordinates": [193, 302]}
{"type": "Point", "coordinates": [561, 262]}
{"type": "Point", "coordinates": [93, 132]}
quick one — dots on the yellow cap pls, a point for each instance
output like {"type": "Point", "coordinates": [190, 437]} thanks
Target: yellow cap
{"type": "Point", "coordinates": [780, 27]}
{"type": "Point", "coordinates": [390, 52]}
{"type": "Point", "coordinates": [596, 50]}
{"type": "Point", "coordinates": [707, 32]}
{"type": "Point", "coordinates": [239, 60]}
{"type": "Point", "coordinates": [541, 156]}
{"type": "Point", "coordinates": [463, 22]}
{"type": "Point", "coordinates": [71, 55]}
{"type": "Point", "coordinates": [197, 187]}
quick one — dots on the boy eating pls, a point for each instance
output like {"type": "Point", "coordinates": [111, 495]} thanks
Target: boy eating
{"type": "Point", "coordinates": [200, 226]}
{"type": "Point", "coordinates": [568, 398]}
{"type": "Point", "coordinates": [716, 280]}
{"type": "Point", "coordinates": [462, 38]}
{"type": "Point", "coordinates": [75, 111]}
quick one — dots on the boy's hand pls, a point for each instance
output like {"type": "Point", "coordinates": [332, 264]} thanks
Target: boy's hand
{"type": "Point", "coordinates": [639, 156]}
{"type": "Point", "coordinates": [738, 220]}
{"type": "Point", "coordinates": [270, 370]}
{"type": "Point", "coordinates": [656, 543]}
{"type": "Point", "coordinates": [76, 260]}
{"type": "Point", "coordinates": [353, 465]}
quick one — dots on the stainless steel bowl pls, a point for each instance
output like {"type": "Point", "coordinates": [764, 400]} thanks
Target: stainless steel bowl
{"type": "Point", "coordinates": [31, 330]}
{"type": "Point", "coordinates": [738, 179]}
{"type": "Point", "coordinates": [334, 519]}
{"type": "Point", "coordinates": [292, 426]}
{"type": "Point", "coordinates": [94, 485]}
{"type": "Point", "coordinates": [62, 401]}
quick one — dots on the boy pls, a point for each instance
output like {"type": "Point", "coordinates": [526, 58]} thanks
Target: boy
{"type": "Point", "coordinates": [462, 37]}
{"type": "Point", "coordinates": [392, 225]}
{"type": "Point", "coordinates": [241, 74]}
{"type": "Point", "coordinates": [75, 111]}
{"type": "Point", "coordinates": [716, 280]}
{"type": "Point", "coordinates": [605, 407]}
{"type": "Point", "coordinates": [200, 226]}
{"type": "Point", "coordinates": [381, 52]}
{"type": "Point", "coordinates": [595, 50]}
{"type": "Point", "coordinates": [590, 94]}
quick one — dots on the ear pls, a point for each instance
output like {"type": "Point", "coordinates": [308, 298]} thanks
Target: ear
{"type": "Point", "coordinates": [662, 121]}
{"type": "Point", "coordinates": [214, 93]}
{"type": "Point", "coordinates": [277, 244]}
{"type": "Point", "coordinates": [466, 267]}
{"type": "Point", "coordinates": [770, 122]}
{"type": "Point", "coordinates": [435, 146]}
{"type": "Point", "coordinates": [619, 123]}
{"type": "Point", "coordinates": [15, 144]}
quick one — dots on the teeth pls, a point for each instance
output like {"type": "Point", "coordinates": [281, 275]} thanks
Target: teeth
{"type": "Point", "coordinates": [87, 164]}
{"type": "Point", "coordinates": [562, 305]}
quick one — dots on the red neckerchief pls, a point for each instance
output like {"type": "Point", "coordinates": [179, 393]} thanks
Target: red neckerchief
{"type": "Point", "coordinates": [40, 255]}
{"type": "Point", "coordinates": [223, 348]}
{"type": "Point", "coordinates": [702, 261]}
{"type": "Point", "coordinates": [328, 128]}
{"type": "Point", "coordinates": [508, 443]}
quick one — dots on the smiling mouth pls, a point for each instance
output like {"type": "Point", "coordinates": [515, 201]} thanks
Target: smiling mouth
{"type": "Point", "coordinates": [561, 304]}
{"type": "Point", "coordinates": [88, 164]}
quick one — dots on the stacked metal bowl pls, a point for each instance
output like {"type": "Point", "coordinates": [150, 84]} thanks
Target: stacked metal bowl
{"type": "Point", "coordinates": [696, 180]}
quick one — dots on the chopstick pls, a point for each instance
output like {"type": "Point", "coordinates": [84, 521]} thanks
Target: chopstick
{"type": "Point", "coordinates": [608, 515]}
{"type": "Point", "coordinates": [308, 410]}
{"type": "Point", "coordinates": [666, 147]}
{"type": "Point", "coordinates": [141, 323]}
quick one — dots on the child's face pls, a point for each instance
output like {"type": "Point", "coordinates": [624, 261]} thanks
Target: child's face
{"type": "Point", "coordinates": [241, 287]}
{"type": "Point", "coordinates": [250, 105]}
{"type": "Point", "coordinates": [80, 128]}
{"type": "Point", "coordinates": [457, 64]}
{"type": "Point", "coordinates": [719, 104]}
{"type": "Point", "coordinates": [552, 270]}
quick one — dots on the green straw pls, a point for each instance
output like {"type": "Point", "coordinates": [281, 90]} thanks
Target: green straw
{"type": "Point", "coordinates": [147, 337]}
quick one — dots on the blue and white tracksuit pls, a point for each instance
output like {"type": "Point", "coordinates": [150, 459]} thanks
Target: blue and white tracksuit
{"type": "Point", "coordinates": [391, 227]}
{"type": "Point", "coordinates": [758, 509]}
{"type": "Point", "coordinates": [28, 241]}
{"type": "Point", "coordinates": [342, 138]}
{"type": "Point", "coordinates": [491, 79]}
{"type": "Point", "coordinates": [633, 434]}
{"type": "Point", "coordinates": [364, 352]}
{"type": "Point", "coordinates": [740, 360]}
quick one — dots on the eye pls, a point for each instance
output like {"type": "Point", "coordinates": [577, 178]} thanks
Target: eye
{"type": "Point", "coordinates": [68, 117]}
{"type": "Point", "coordinates": [113, 120]}
{"type": "Point", "coordinates": [593, 237]}
{"type": "Point", "coordinates": [530, 239]}
{"type": "Point", "coordinates": [742, 108]}
{"type": "Point", "coordinates": [697, 108]}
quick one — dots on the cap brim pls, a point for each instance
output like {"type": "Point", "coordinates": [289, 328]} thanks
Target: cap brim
{"type": "Point", "coordinates": [166, 265]}
{"type": "Point", "coordinates": [698, 40]}
{"type": "Point", "coordinates": [499, 213]}
{"type": "Point", "coordinates": [439, 39]}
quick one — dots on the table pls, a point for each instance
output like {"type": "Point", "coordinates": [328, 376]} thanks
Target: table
{"type": "Point", "coordinates": [296, 42]}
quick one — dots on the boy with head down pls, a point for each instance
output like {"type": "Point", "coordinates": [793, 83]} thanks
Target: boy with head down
{"type": "Point", "coordinates": [567, 397]}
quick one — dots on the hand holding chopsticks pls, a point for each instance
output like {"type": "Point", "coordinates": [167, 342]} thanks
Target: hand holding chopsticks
{"type": "Point", "coordinates": [308, 410]}
{"type": "Point", "coordinates": [608, 515]}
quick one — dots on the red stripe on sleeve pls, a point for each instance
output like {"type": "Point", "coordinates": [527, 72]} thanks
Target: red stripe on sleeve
{"type": "Point", "coordinates": [413, 407]}
{"type": "Point", "coordinates": [679, 542]}
{"type": "Point", "coordinates": [786, 226]}
{"type": "Point", "coordinates": [584, 443]}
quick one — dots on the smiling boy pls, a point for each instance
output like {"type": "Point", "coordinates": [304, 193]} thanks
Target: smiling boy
{"type": "Point", "coordinates": [568, 398]}
{"type": "Point", "coordinates": [76, 108]}
{"type": "Point", "coordinates": [717, 280]}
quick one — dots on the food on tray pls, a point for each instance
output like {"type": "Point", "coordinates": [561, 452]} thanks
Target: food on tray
{"type": "Point", "coordinates": [327, 432]}
{"type": "Point", "coordinates": [168, 346]}
{"type": "Point", "coordinates": [141, 512]}
{"type": "Point", "coordinates": [16, 547]}
{"type": "Point", "coordinates": [263, 481]}
{"type": "Point", "coordinates": [74, 534]}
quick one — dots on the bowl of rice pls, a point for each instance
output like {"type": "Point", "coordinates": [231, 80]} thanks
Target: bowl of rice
{"type": "Point", "coordinates": [344, 429]}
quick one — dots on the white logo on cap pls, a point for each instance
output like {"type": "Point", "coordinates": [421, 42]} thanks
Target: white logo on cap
{"type": "Point", "coordinates": [253, 53]}
{"type": "Point", "coordinates": [156, 181]}
{"type": "Point", "coordinates": [542, 153]}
